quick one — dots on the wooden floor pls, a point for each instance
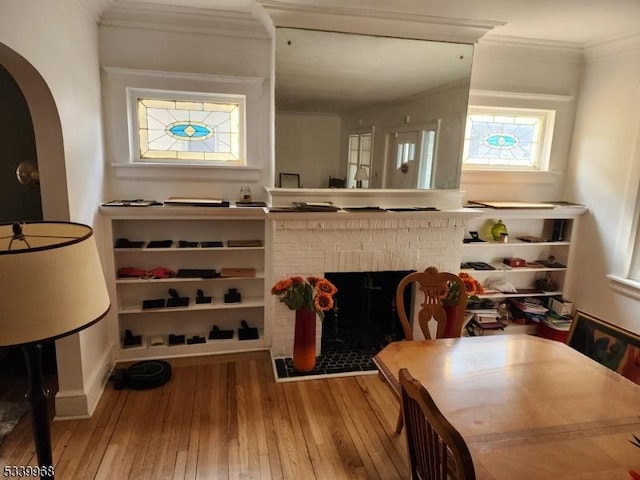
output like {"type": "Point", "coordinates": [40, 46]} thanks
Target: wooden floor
{"type": "Point", "coordinates": [226, 417]}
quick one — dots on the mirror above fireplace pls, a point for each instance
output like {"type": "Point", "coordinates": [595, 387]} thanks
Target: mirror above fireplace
{"type": "Point", "coordinates": [392, 108]}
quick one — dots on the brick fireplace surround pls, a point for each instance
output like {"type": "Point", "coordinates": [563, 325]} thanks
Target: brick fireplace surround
{"type": "Point", "coordinates": [314, 243]}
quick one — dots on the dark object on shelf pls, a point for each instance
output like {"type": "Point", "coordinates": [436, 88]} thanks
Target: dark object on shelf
{"type": "Point", "coordinates": [160, 244]}
{"type": "Point", "coordinates": [480, 266]}
{"type": "Point", "coordinates": [242, 203]}
{"type": "Point", "coordinates": [126, 243]}
{"type": "Point", "coordinates": [154, 303]}
{"type": "Point", "coordinates": [245, 332]}
{"type": "Point", "coordinates": [546, 284]}
{"type": "Point", "coordinates": [138, 202]}
{"type": "Point", "coordinates": [196, 202]}
{"type": "Point", "coordinates": [557, 234]}
{"type": "Point", "coordinates": [364, 209]}
{"type": "Point", "coordinates": [187, 244]}
{"type": "Point", "coordinates": [530, 239]}
{"type": "Point", "coordinates": [197, 273]}
{"type": "Point", "coordinates": [475, 238]}
{"type": "Point", "coordinates": [176, 300]}
{"type": "Point", "coordinates": [212, 244]}
{"type": "Point", "coordinates": [551, 263]}
{"type": "Point", "coordinates": [232, 296]}
{"type": "Point", "coordinates": [142, 375]}
{"type": "Point", "coordinates": [176, 339]}
{"type": "Point", "coordinates": [217, 334]}
{"type": "Point", "coordinates": [244, 243]}
{"type": "Point", "coordinates": [337, 182]}
{"type": "Point", "coordinates": [200, 298]}
{"type": "Point", "coordinates": [131, 340]}
{"type": "Point", "coordinates": [315, 207]}
{"type": "Point", "coordinates": [196, 339]}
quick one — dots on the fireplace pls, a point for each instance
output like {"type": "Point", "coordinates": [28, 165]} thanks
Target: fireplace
{"type": "Point", "coordinates": [316, 244]}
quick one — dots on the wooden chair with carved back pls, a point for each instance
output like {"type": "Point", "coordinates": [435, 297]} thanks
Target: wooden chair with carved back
{"type": "Point", "coordinates": [436, 448]}
{"type": "Point", "coordinates": [433, 284]}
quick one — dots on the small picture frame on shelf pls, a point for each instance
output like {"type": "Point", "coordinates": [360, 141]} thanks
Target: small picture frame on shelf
{"type": "Point", "coordinates": [289, 180]}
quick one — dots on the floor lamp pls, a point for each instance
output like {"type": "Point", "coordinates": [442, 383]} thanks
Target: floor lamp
{"type": "Point", "coordinates": [52, 285]}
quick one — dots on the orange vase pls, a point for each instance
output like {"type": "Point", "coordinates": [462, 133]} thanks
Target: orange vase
{"type": "Point", "coordinates": [304, 341]}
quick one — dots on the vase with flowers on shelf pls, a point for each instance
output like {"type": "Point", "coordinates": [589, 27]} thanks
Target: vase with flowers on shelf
{"type": "Point", "coordinates": [451, 302]}
{"type": "Point", "coordinates": [309, 297]}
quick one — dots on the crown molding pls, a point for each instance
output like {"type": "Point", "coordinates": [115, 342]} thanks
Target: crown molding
{"type": "Point", "coordinates": [620, 44]}
{"type": "Point", "coordinates": [186, 19]}
{"type": "Point", "coordinates": [539, 97]}
{"type": "Point", "coordinates": [94, 7]}
{"type": "Point", "coordinates": [514, 48]}
{"type": "Point", "coordinates": [377, 22]}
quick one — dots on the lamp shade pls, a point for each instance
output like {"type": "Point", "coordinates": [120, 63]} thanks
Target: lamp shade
{"type": "Point", "coordinates": [51, 281]}
{"type": "Point", "coordinates": [361, 174]}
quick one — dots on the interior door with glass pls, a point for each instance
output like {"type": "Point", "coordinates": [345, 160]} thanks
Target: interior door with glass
{"type": "Point", "coordinates": [409, 157]}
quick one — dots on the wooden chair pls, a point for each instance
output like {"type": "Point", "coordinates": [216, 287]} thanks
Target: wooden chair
{"type": "Point", "coordinates": [437, 451]}
{"type": "Point", "coordinates": [432, 284]}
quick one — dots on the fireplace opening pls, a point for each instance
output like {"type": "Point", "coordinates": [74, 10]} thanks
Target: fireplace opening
{"type": "Point", "coordinates": [365, 317]}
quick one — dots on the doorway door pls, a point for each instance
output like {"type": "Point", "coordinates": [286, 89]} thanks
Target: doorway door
{"type": "Point", "coordinates": [409, 157]}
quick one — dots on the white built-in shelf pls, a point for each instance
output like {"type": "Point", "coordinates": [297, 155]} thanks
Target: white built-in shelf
{"type": "Point", "coordinates": [251, 303]}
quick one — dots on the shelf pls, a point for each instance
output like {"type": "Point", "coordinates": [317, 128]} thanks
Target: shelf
{"type": "Point", "coordinates": [521, 293]}
{"type": "Point", "coordinates": [211, 346]}
{"type": "Point", "coordinates": [176, 249]}
{"type": "Point", "coordinates": [193, 307]}
{"type": "Point", "coordinates": [514, 243]}
{"type": "Point", "coordinates": [513, 270]}
{"type": "Point", "coordinates": [132, 281]}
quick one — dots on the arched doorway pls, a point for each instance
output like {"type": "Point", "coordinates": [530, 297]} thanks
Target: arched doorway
{"type": "Point", "coordinates": [32, 131]}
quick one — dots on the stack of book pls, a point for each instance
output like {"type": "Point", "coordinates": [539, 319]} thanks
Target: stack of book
{"type": "Point", "coordinates": [528, 310]}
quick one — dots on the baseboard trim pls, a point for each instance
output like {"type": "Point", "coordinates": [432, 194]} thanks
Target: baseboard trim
{"type": "Point", "coordinates": [78, 404]}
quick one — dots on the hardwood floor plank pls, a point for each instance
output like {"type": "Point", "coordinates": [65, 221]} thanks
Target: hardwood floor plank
{"type": "Point", "coordinates": [225, 417]}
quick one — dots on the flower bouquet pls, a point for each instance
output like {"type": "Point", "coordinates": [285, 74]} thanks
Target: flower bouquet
{"type": "Point", "coordinates": [451, 294]}
{"type": "Point", "coordinates": [311, 293]}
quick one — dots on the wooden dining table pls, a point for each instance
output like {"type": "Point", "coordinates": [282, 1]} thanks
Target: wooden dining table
{"type": "Point", "coordinates": [527, 407]}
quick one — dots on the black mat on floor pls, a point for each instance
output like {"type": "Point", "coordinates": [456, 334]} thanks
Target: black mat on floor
{"type": "Point", "coordinates": [330, 363]}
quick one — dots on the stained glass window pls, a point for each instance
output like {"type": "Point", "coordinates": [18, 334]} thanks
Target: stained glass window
{"type": "Point", "coordinates": [187, 131]}
{"type": "Point", "coordinates": [504, 138]}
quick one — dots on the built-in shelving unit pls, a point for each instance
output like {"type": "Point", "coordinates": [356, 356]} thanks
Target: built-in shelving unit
{"type": "Point", "coordinates": [196, 225]}
{"type": "Point", "coordinates": [551, 233]}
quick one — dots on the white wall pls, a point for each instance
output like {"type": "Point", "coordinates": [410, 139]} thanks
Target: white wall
{"type": "Point", "coordinates": [318, 136]}
{"type": "Point", "coordinates": [59, 39]}
{"type": "Point", "coordinates": [157, 43]}
{"type": "Point", "coordinates": [604, 174]}
{"type": "Point", "coordinates": [527, 77]}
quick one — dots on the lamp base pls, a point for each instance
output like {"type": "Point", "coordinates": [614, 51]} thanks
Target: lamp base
{"type": "Point", "coordinates": [37, 396]}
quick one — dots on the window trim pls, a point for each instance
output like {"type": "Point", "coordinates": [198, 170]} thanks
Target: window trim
{"type": "Point", "coordinates": [117, 80]}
